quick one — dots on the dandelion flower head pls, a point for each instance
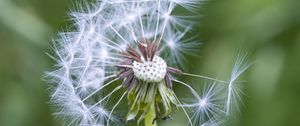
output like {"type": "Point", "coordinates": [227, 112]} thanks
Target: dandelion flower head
{"type": "Point", "coordinates": [141, 46]}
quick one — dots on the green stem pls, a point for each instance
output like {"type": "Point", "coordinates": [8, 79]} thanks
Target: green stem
{"type": "Point", "coordinates": [150, 116]}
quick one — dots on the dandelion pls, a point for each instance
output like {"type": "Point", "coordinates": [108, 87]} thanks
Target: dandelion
{"type": "Point", "coordinates": [138, 45]}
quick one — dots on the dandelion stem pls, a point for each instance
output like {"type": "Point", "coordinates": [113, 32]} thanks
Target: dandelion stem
{"type": "Point", "coordinates": [150, 116]}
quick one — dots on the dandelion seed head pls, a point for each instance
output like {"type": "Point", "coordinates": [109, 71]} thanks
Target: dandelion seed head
{"type": "Point", "coordinates": [139, 42]}
{"type": "Point", "coordinates": [150, 71]}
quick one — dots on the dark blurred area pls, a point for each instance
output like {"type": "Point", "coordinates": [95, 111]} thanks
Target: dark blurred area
{"type": "Point", "coordinates": [268, 29]}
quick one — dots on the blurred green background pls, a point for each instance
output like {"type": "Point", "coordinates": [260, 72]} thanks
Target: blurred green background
{"type": "Point", "coordinates": [268, 29]}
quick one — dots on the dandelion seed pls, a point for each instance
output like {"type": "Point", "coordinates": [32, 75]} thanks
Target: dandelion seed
{"type": "Point", "coordinates": [207, 108]}
{"type": "Point", "coordinates": [233, 92]}
{"type": "Point", "coordinates": [141, 43]}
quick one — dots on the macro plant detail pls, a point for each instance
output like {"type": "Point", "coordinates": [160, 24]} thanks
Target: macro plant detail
{"type": "Point", "coordinates": [140, 45]}
{"type": "Point", "coordinates": [147, 79]}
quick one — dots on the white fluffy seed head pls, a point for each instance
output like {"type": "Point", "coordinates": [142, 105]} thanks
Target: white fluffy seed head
{"type": "Point", "coordinates": [86, 55]}
{"type": "Point", "coordinates": [150, 71]}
